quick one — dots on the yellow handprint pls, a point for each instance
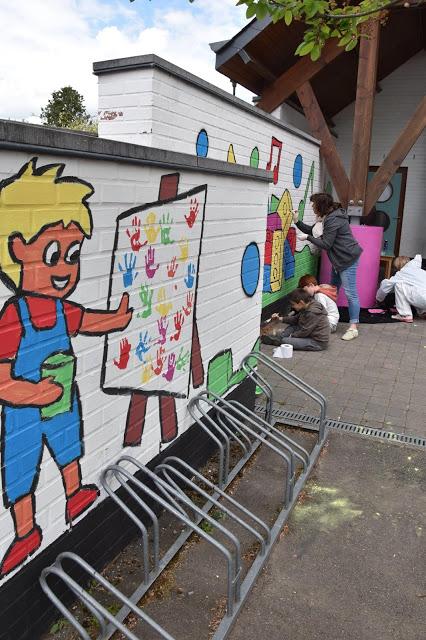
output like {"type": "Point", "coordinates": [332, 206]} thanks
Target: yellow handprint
{"type": "Point", "coordinates": [147, 371]}
{"type": "Point", "coordinates": [151, 228]}
{"type": "Point", "coordinates": [184, 250]}
{"type": "Point", "coordinates": [163, 307]}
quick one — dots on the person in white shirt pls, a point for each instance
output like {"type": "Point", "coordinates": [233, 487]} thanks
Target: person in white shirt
{"type": "Point", "coordinates": [409, 286]}
{"type": "Point", "coordinates": [326, 295]}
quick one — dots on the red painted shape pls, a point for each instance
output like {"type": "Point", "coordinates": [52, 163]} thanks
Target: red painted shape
{"type": "Point", "coordinates": [135, 420]}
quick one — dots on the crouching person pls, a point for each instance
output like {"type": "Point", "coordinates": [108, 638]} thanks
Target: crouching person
{"type": "Point", "coordinates": [409, 286]}
{"type": "Point", "coordinates": [308, 329]}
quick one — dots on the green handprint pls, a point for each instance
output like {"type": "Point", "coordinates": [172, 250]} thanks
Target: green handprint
{"type": "Point", "coordinates": [145, 294]}
{"type": "Point", "coordinates": [182, 360]}
{"type": "Point", "coordinates": [165, 226]}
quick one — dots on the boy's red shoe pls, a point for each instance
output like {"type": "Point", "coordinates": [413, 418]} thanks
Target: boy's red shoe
{"type": "Point", "coordinates": [80, 501]}
{"type": "Point", "coordinates": [20, 550]}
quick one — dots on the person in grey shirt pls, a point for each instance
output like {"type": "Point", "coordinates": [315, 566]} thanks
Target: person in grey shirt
{"type": "Point", "coordinates": [342, 249]}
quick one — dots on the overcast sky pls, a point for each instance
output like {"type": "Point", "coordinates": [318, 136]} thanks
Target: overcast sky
{"type": "Point", "coordinates": [48, 44]}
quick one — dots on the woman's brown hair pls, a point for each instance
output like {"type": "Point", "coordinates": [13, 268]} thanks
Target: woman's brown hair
{"type": "Point", "coordinates": [324, 203]}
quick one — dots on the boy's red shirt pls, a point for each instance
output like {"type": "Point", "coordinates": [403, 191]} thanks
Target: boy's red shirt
{"type": "Point", "coordinates": [43, 316]}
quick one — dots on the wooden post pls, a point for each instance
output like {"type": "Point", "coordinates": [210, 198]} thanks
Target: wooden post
{"type": "Point", "coordinates": [364, 105]}
{"type": "Point", "coordinates": [320, 130]}
{"type": "Point", "coordinates": [395, 157]}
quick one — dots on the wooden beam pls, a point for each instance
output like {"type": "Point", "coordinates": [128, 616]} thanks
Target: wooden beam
{"type": "Point", "coordinates": [364, 105]}
{"type": "Point", "coordinates": [262, 69]}
{"type": "Point", "coordinates": [329, 151]}
{"type": "Point", "coordinates": [394, 159]}
{"type": "Point", "coordinates": [302, 71]}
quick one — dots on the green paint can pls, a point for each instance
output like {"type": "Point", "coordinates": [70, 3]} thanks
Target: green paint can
{"type": "Point", "coordinates": [61, 367]}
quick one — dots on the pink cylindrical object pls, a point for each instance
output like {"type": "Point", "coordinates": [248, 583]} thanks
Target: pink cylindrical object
{"type": "Point", "coordinates": [371, 240]}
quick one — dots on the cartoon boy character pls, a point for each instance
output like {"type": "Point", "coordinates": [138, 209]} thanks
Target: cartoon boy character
{"type": "Point", "coordinates": [44, 219]}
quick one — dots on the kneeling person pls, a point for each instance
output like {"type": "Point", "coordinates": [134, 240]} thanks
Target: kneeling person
{"type": "Point", "coordinates": [308, 329]}
{"type": "Point", "coordinates": [326, 294]}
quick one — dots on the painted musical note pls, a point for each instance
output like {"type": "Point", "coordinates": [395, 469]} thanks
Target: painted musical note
{"type": "Point", "coordinates": [277, 145]}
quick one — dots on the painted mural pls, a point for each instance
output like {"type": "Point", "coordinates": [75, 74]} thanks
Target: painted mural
{"type": "Point", "coordinates": [45, 218]}
{"type": "Point", "coordinates": [160, 353]}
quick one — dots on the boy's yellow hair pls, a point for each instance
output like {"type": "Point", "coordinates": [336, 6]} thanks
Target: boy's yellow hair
{"type": "Point", "coordinates": [36, 198]}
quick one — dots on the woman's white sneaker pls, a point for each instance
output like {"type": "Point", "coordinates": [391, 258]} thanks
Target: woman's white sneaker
{"type": "Point", "coordinates": [350, 334]}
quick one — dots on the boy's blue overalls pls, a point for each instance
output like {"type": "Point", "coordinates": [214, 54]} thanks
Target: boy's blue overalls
{"type": "Point", "coordinates": [25, 431]}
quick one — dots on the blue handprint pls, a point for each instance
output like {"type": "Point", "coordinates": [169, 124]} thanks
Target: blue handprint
{"type": "Point", "coordinates": [143, 346]}
{"type": "Point", "coordinates": [189, 279]}
{"type": "Point", "coordinates": [128, 271]}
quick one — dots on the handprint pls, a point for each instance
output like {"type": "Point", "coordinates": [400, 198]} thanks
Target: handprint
{"type": "Point", "coordinates": [147, 371]}
{"type": "Point", "coordinates": [143, 346]}
{"type": "Point", "coordinates": [189, 279]}
{"type": "Point", "coordinates": [165, 224]}
{"type": "Point", "coordinates": [163, 307]}
{"type": "Point", "coordinates": [151, 228]}
{"type": "Point", "coordinates": [171, 366]}
{"type": "Point", "coordinates": [184, 250]}
{"type": "Point", "coordinates": [172, 268]}
{"type": "Point", "coordinates": [123, 360]}
{"type": "Point", "coordinates": [183, 359]}
{"type": "Point", "coordinates": [193, 213]}
{"type": "Point", "coordinates": [162, 325]}
{"type": "Point", "coordinates": [179, 319]}
{"type": "Point", "coordinates": [128, 270]}
{"type": "Point", "coordinates": [145, 294]}
{"type": "Point", "coordinates": [160, 361]}
{"type": "Point", "coordinates": [149, 263]}
{"type": "Point", "coordinates": [189, 300]}
{"type": "Point", "coordinates": [135, 235]}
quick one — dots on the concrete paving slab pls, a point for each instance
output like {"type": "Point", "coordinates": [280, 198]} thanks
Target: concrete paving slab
{"type": "Point", "coordinates": [352, 562]}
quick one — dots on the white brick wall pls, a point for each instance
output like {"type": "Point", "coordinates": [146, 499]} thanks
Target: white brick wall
{"type": "Point", "coordinates": [181, 108]}
{"type": "Point", "coordinates": [235, 216]}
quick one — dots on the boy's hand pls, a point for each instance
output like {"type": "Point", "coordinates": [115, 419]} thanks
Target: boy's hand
{"type": "Point", "coordinates": [123, 314]}
{"type": "Point", "coordinates": [295, 215]}
{"type": "Point", "coordinates": [48, 392]}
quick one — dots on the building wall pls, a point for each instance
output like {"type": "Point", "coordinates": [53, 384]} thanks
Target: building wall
{"type": "Point", "coordinates": [195, 261]}
{"type": "Point", "coordinates": [394, 105]}
{"type": "Point", "coordinates": [188, 115]}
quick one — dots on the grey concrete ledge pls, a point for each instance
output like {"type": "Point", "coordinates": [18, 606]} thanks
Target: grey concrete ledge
{"type": "Point", "coordinates": [150, 61]}
{"type": "Point", "coordinates": [20, 136]}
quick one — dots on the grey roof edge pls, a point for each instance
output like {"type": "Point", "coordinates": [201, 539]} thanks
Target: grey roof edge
{"type": "Point", "coordinates": [153, 61]}
{"type": "Point", "coordinates": [19, 136]}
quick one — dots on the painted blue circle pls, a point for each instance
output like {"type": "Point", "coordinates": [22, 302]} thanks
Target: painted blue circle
{"type": "Point", "coordinates": [297, 170]}
{"type": "Point", "coordinates": [202, 145]}
{"type": "Point", "coordinates": [250, 269]}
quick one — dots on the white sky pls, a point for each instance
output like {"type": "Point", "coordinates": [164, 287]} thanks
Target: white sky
{"type": "Point", "coordinates": [48, 44]}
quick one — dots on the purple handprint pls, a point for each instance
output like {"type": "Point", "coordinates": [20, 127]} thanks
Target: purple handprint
{"type": "Point", "coordinates": [162, 325]}
{"type": "Point", "coordinates": [171, 366]}
{"type": "Point", "coordinates": [128, 270]}
{"type": "Point", "coordinates": [149, 263]}
{"type": "Point", "coordinates": [189, 278]}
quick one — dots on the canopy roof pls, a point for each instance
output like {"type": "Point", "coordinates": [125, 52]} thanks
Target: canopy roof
{"type": "Point", "coordinates": [262, 51]}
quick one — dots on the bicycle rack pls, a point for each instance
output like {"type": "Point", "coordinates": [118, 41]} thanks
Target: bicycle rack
{"type": "Point", "coordinates": [288, 376]}
{"type": "Point", "coordinates": [102, 614]}
{"type": "Point", "coordinates": [227, 423]}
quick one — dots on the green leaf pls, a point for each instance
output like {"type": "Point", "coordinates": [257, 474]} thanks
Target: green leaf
{"type": "Point", "coordinates": [288, 17]}
{"type": "Point", "coordinates": [261, 11]}
{"type": "Point", "coordinates": [344, 41]}
{"type": "Point", "coordinates": [251, 11]}
{"type": "Point", "coordinates": [304, 48]}
{"type": "Point", "coordinates": [351, 45]}
{"type": "Point", "coordinates": [315, 53]}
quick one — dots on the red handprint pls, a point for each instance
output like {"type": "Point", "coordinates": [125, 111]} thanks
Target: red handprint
{"type": "Point", "coordinates": [160, 361]}
{"type": "Point", "coordinates": [189, 300]}
{"type": "Point", "coordinates": [162, 325]}
{"type": "Point", "coordinates": [171, 366]}
{"type": "Point", "coordinates": [123, 360]}
{"type": "Point", "coordinates": [193, 213]}
{"type": "Point", "coordinates": [179, 319]}
{"type": "Point", "coordinates": [172, 268]}
{"type": "Point", "coordinates": [149, 263]}
{"type": "Point", "coordinates": [135, 235]}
